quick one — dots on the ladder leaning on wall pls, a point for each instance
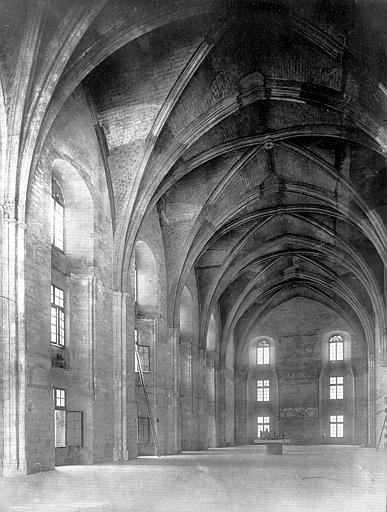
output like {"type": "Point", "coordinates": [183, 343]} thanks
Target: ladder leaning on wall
{"type": "Point", "coordinates": [150, 416]}
{"type": "Point", "coordinates": [384, 424]}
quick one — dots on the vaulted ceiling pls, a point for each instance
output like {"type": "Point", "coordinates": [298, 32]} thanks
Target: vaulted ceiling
{"type": "Point", "coordinates": [266, 155]}
{"type": "Point", "coordinates": [257, 130]}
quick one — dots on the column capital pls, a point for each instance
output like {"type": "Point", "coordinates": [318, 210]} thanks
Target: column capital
{"type": "Point", "coordinates": [9, 209]}
{"type": "Point", "coordinates": [381, 360]}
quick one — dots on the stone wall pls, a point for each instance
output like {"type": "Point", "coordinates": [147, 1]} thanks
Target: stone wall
{"type": "Point", "coordinates": [299, 403]}
{"type": "Point", "coordinates": [152, 331]}
{"type": "Point", "coordinates": [84, 367]}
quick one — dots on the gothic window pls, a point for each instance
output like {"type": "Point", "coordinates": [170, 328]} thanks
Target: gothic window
{"type": "Point", "coordinates": [336, 426]}
{"type": "Point", "coordinates": [336, 348]}
{"type": "Point", "coordinates": [336, 388]}
{"type": "Point", "coordinates": [57, 317]}
{"type": "Point", "coordinates": [145, 285]}
{"type": "Point", "coordinates": [57, 216]}
{"type": "Point", "coordinates": [263, 391]}
{"type": "Point", "coordinates": [263, 425]}
{"type": "Point", "coordinates": [263, 352]}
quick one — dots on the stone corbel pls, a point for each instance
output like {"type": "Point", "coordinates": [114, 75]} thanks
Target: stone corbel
{"type": "Point", "coordinates": [89, 274]}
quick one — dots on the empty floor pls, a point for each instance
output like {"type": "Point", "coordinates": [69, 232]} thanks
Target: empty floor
{"type": "Point", "coordinates": [318, 478]}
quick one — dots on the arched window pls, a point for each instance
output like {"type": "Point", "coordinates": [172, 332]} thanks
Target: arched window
{"type": "Point", "coordinates": [57, 216]}
{"type": "Point", "coordinates": [186, 316]}
{"type": "Point", "coordinates": [72, 215]}
{"type": "Point", "coordinates": [263, 352]}
{"type": "Point", "coordinates": [211, 334]}
{"type": "Point", "coordinates": [336, 348]}
{"type": "Point", "coordinates": [146, 293]}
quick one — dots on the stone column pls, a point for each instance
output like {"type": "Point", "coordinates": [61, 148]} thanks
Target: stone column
{"type": "Point", "coordinates": [13, 341]}
{"type": "Point", "coordinates": [196, 394]}
{"type": "Point", "coordinates": [377, 377]}
{"type": "Point", "coordinates": [202, 399]}
{"type": "Point", "coordinates": [241, 409]}
{"type": "Point", "coordinates": [211, 398]}
{"type": "Point", "coordinates": [173, 335]}
{"type": "Point", "coordinates": [220, 400]}
{"type": "Point", "coordinates": [185, 394]}
{"type": "Point", "coordinates": [81, 293]}
{"type": "Point", "coordinates": [381, 403]}
{"type": "Point", "coordinates": [120, 450]}
{"type": "Point", "coordinates": [380, 379]}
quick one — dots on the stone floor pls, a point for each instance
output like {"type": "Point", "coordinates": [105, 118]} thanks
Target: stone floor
{"type": "Point", "coordinates": [314, 478]}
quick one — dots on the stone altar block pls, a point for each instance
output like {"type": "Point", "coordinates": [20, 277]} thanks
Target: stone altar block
{"type": "Point", "coordinates": [273, 446]}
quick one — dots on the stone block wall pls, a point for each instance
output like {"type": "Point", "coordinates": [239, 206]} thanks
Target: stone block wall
{"type": "Point", "coordinates": [84, 272]}
{"type": "Point", "coordinates": [299, 403]}
{"type": "Point", "coordinates": [151, 326]}
{"type": "Point", "coordinates": [129, 99]}
{"type": "Point", "coordinates": [39, 403]}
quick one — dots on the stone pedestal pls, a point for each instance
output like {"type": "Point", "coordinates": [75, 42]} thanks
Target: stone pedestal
{"type": "Point", "coordinates": [274, 449]}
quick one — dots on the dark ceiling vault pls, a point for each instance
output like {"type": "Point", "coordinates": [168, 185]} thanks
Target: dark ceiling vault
{"type": "Point", "coordinates": [255, 129]}
{"type": "Point", "coordinates": [263, 151]}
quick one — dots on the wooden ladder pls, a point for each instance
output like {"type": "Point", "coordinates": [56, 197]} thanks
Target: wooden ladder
{"type": "Point", "coordinates": [151, 422]}
{"type": "Point", "coordinates": [381, 433]}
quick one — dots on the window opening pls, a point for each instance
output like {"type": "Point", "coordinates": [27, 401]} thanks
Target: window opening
{"type": "Point", "coordinates": [60, 398]}
{"type": "Point", "coordinates": [135, 284]}
{"type": "Point", "coordinates": [336, 348]}
{"type": "Point", "coordinates": [57, 317]}
{"type": "Point", "coordinates": [60, 417]}
{"type": "Point", "coordinates": [336, 388]}
{"type": "Point", "coordinates": [57, 217]}
{"type": "Point", "coordinates": [263, 425]}
{"type": "Point", "coordinates": [263, 391]}
{"type": "Point", "coordinates": [143, 352]}
{"type": "Point", "coordinates": [68, 424]}
{"type": "Point", "coordinates": [263, 352]}
{"type": "Point", "coordinates": [336, 426]}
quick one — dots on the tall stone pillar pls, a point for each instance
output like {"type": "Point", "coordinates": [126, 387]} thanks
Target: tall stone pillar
{"type": "Point", "coordinates": [380, 403]}
{"type": "Point", "coordinates": [241, 409]}
{"type": "Point", "coordinates": [380, 375]}
{"type": "Point", "coordinates": [211, 385]}
{"type": "Point", "coordinates": [220, 407]}
{"type": "Point", "coordinates": [185, 394]}
{"type": "Point", "coordinates": [13, 341]}
{"type": "Point", "coordinates": [196, 394]}
{"type": "Point", "coordinates": [173, 340]}
{"type": "Point", "coordinates": [81, 290]}
{"type": "Point", "coordinates": [120, 371]}
{"type": "Point", "coordinates": [202, 399]}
